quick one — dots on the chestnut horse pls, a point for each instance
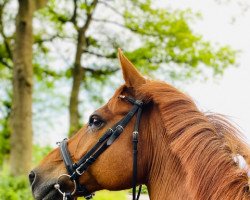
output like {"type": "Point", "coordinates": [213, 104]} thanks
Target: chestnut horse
{"type": "Point", "coordinates": [183, 154]}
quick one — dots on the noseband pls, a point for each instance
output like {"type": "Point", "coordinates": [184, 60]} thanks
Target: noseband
{"type": "Point", "coordinates": [75, 170]}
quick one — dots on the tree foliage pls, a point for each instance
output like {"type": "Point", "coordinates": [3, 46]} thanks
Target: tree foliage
{"type": "Point", "coordinates": [167, 38]}
{"type": "Point", "coordinates": [152, 37]}
{"type": "Point", "coordinates": [159, 41]}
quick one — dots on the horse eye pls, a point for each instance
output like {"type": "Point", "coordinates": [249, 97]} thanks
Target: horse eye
{"type": "Point", "coordinates": [95, 121]}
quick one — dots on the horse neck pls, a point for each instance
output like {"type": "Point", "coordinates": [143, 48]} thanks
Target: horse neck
{"type": "Point", "coordinates": [185, 149]}
{"type": "Point", "coordinates": [191, 168]}
{"type": "Point", "coordinates": [165, 176]}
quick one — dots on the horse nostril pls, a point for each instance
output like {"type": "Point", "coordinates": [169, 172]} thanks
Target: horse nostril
{"type": "Point", "coordinates": [32, 177]}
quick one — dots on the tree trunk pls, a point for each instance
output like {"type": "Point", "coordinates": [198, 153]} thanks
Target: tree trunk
{"type": "Point", "coordinates": [77, 73]}
{"type": "Point", "coordinates": [21, 116]}
{"type": "Point", "coordinates": [21, 137]}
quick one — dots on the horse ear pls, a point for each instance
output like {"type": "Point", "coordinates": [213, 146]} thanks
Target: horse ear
{"type": "Point", "coordinates": [132, 77]}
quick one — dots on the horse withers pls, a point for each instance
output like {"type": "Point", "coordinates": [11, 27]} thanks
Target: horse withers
{"type": "Point", "coordinates": [147, 133]}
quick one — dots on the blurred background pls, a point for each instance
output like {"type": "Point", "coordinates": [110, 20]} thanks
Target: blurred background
{"type": "Point", "coordinates": [58, 63]}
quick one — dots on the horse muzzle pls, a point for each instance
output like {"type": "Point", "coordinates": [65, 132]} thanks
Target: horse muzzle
{"type": "Point", "coordinates": [43, 188]}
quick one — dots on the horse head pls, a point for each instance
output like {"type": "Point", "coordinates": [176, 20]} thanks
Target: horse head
{"type": "Point", "coordinates": [182, 152]}
{"type": "Point", "coordinates": [113, 169]}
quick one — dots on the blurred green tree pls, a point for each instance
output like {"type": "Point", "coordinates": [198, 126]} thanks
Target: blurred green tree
{"type": "Point", "coordinates": [6, 66]}
{"type": "Point", "coordinates": [19, 60]}
{"type": "Point", "coordinates": [155, 39]}
{"type": "Point", "coordinates": [78, 40]}
{"type": "Point", "coordinates": [8, 12]}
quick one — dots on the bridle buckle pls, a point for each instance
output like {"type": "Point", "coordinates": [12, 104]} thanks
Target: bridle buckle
{"type": "Point", "coordinates": [78, 171]}
{"type": "Point", "coordinates": [135, 136]}
{"type": "Point", "coordinates": [89, 196]}
{"type": "Point", "coordinates": [120, 127]}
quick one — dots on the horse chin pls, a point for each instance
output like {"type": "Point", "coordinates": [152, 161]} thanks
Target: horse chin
{"type": "Point", "coordinates": [53, 194]}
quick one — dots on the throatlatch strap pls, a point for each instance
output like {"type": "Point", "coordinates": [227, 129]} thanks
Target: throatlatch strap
{"type": "Point", "coordinates": [135, 153]}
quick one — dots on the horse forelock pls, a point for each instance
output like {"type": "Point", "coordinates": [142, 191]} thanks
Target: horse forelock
{"type": "Point", "coordinates": [205, 144]}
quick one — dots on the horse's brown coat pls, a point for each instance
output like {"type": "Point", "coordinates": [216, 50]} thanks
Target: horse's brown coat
{"type": "Point", "coordinates": [183, 153]}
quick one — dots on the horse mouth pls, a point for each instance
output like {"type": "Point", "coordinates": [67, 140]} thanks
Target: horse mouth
{"type": "Point", "coordinates": [47, 192]}
{"type": "Point", "coordinates": [53, 194]}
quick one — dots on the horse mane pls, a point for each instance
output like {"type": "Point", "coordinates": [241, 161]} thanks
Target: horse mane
{"type": "Point", "coordinates": [204, 143]}
{"type": "Point", "coordinates": [233, 137]}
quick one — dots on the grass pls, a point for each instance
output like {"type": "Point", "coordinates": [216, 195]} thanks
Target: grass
{"type": "Point", "coordinates": [107, 195]}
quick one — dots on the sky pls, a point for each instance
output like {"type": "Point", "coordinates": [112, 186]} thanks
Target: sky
{"type": "Point", "coordinates": [224, 23]}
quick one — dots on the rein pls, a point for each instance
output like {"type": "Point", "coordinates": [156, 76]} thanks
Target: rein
{"type": "Point", "coordinates": [75, 170]}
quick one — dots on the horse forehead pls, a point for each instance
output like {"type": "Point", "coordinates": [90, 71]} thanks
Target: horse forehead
{"type": "Point", "coordinates": [115, 106]}
{"type": "Point", "coordinates": [112, 106]}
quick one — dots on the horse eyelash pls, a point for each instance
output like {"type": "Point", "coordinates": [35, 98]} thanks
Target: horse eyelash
{"type": "Point", "coordinates": [97, 116]}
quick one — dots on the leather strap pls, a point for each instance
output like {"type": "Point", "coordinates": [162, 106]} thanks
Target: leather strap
{"type": "Point", "coordinates": [80, 189]}
{"type": "Point", "coordinates": [75, 170]}
{"type": "Point", "coordinates": [135, 153]}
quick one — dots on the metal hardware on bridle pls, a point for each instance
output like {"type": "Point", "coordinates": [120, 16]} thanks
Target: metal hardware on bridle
{"type": "Point", "coordinates": [75, 170]}
{"type": "Point", "coordinates": [65, 194]}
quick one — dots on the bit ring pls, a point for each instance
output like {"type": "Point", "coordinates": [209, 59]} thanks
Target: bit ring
{"type": "Point", "coordinates": [57, 185]}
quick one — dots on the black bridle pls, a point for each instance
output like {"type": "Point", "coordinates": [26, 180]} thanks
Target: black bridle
{"type": "Point", "coordinates": [75, 170]}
